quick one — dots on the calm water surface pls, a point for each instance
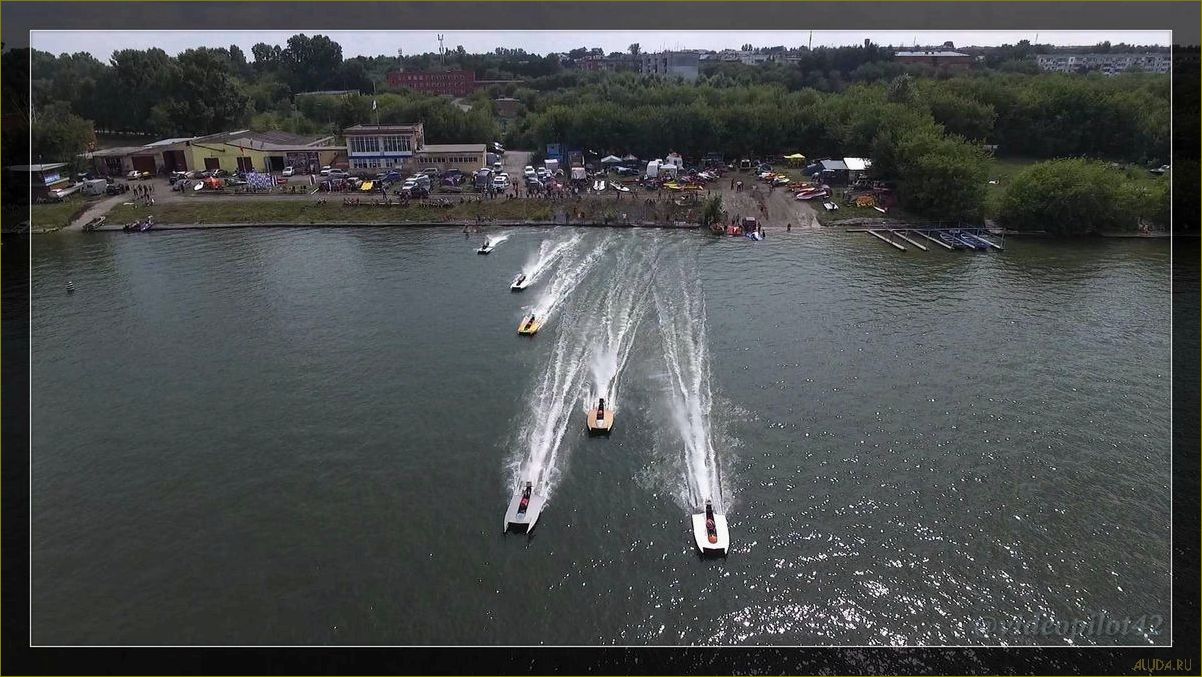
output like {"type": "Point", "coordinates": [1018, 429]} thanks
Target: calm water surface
{"type": "Point", "coordinates": [310, 436]}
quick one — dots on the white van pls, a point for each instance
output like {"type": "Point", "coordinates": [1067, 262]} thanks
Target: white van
{"type": "Point", "coordinates": [94, 187]}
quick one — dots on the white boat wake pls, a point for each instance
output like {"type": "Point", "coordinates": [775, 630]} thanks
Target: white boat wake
{"type": "Point", "coordinates": [573, 268]}
{"type": "Point", "coordinates": [552, 402]}
{"type": "Point", "coordinates": [681, 313]}
{"type": "Point", "coordinates": [625, 303]}
{"type": "Point", "coordinates": [549, 252]}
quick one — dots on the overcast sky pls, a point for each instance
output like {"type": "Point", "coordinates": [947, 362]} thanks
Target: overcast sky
{"type": "Point", "coordinates": [102, 44]}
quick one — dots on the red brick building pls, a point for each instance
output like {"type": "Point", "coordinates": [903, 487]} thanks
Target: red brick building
{"type": "Point", "coordinates": [455, 83]}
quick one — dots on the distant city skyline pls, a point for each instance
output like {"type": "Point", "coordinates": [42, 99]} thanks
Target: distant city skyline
{"type": "Point", "coordinates": [102, 44]}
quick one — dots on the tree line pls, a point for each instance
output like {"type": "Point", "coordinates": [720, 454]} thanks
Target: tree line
{"type": "Point", "coordinates": [925, 129]}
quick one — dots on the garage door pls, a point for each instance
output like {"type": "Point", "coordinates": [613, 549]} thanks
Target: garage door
{"type": "Point", "coordinates": [245, 165]}
{"type": "Point", "coordinates": [212, 163]}
{"type": "Point", "coordinates": [143, 163]}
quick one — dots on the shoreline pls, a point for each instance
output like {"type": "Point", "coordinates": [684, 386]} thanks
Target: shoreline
{"type": "Point", "coordinates": [407, 224]}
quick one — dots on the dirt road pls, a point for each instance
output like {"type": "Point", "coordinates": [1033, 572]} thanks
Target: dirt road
{"type": "Point", "coordinates": [775, 208]}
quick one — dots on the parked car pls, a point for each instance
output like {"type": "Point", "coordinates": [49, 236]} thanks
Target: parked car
{"type": "Point", "coordinates": [500, 182]}
{"type": "Point", "coordinates": [289, 171]}
{"type": "Point", "coordinates": [413, 188]}
{"type": "Point", "coordinates": [431, 171]}
{"type": "Point", "coordinates": [529, 170]}
{"type": "Point", "coordinates": [541, 173]}
{"type": "Point", "coordinates": [325, 171]}
{"type": "Point", "coordinates": [338, 174]}
{"type": "Point", "coordinates": [496, 166]}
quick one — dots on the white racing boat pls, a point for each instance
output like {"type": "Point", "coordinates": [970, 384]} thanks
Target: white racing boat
{"type": "Point", "coordinates": [520, 282]}
{"type": "Point", "coordinates": [524, 509]}
{"type": "Point", "coordinates": [709, 531]}
{"type": "Point", "coordinates": [485, 248]}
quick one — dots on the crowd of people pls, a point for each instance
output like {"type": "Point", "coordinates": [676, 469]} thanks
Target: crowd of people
{"type": "Point", "coordinates": [143, 194]}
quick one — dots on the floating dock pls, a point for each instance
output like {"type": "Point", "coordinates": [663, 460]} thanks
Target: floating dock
{"type": "Point", "coordinates": [902, 235]}
{"type": "Point", "coordinates": [908, 234]}
{"type": "Point", "coordinates": [885, 239]}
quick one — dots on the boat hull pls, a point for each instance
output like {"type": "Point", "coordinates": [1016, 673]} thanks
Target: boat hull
{"type": "Point", "coordinates": [523, 522]}
{"type": "Point", "coordinates": [602, 426]}
{"type": "Point", "coordinates": [707, 549]}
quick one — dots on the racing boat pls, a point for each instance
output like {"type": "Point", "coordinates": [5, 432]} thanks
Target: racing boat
{"type": "Point", "coordinates": [709, 531]}
{"type": "Point", "coordinates": [529, 325]}
{"type": "Point", "coordinates": [524, 509]}
{"type": "Point", "coordinates": [485, 248]}
{"type": "Point", "coordinates": [754, 235]}
{"type": "Point", "coordinates": [619, 187]}
{"type": "Point", "coordinates": [520, 282]}
{"type": "Point", "coordinates": [600, 419]}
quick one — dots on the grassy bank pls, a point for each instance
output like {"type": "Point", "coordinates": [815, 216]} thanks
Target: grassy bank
{"type": "Point", "coordinates": [55, 215]}
{"type": "Point", "coordinates": [303, 213]}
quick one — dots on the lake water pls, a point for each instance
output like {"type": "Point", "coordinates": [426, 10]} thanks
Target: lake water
{"type": "Point", "coordinates": [308, 436]}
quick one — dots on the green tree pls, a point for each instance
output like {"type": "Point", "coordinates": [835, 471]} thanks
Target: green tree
{"type": "Point", "coordinates": [941, 176]}
{"type": "Point", "coordinates": [712, 212]}
{"type": "Point", "coordinates": [1068, 197]}
{"type": "Point", "coordinates": [58, 135]}
{"type": "Point", "coordinates": [311, 63]}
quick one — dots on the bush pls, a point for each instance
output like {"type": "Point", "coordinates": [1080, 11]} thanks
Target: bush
{"type": "Point", "coordinates": [1069, 197]}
